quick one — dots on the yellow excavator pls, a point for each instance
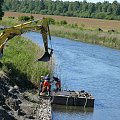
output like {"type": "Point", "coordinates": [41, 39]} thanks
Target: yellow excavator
{"type": "Point", "coordinates": [10, 32]}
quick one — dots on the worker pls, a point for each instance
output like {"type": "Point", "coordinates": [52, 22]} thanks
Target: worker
{"type": "Point", "coordinates": [46, 87]}
{"type": "Point", "coordinates": [41, 84]}
{"type": "Point", "coordinates": [47, 77]}
{"type": "Point", "coordinates": [57, 84]}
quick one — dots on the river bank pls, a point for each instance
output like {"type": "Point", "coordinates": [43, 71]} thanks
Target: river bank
{"type": "Point", "coordinates": [107, 39]}
{"type": "Point", "coordinates": [19, 104]}
{"type": "Point", "coordinates": [19, 79]}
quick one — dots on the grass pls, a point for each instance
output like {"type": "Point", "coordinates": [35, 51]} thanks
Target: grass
{"type": "Point", "coordinates": [19, 62]}
{"type": "Point", "coordinates": [8, 22]}
{"type": "Point", "coordinates": [89, 36]}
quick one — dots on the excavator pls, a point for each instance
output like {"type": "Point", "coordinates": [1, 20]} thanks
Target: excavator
{"type": "Point", "coordinates": [11, 32]}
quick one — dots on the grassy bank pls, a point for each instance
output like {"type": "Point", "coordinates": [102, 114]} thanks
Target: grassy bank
{"type": "Point", "coordinates": [108, 39]}
{"type": "Point", "coordinates": [8, 22]}
{"type": "Point", "coordinates": [19, 62]}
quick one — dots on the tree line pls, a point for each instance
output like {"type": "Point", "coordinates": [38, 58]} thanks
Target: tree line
{"type": "Point", "coordinates": [83, 9]}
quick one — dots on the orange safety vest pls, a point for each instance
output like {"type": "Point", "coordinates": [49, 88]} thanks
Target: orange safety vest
{"type": "Point", "coordinates": [46, 84]}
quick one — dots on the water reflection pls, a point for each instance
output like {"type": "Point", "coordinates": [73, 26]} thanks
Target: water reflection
{"type": "Point", "coordinates": [76, 109]}
{"type": "Point", "coordinates": [71, 112]}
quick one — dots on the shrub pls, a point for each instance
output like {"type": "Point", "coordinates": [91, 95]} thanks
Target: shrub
{"type": "Point", "coordinates": [11, 17]}
{"type": "Point", "coordinates": [99, 29]}
{"type": "Point", "coordinates": [111, 31]}
{"type": "Point", "coordinates": [63, 22]}
{"type": "Point", "coordinates": [32, 17]}
{"type": "Point", "coordinates": [51, 20]}
{"type": "Point", "coordinates": [24, 18]}
{"type": "Point", "coordinates": [100, 15]}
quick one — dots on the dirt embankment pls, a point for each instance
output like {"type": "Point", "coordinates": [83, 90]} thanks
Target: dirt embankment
{"type": "Point", "coordinates": [18, 104]}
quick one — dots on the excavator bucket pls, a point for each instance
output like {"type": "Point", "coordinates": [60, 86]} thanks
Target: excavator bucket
{"type": "Point", "coordinates": [45, 57]}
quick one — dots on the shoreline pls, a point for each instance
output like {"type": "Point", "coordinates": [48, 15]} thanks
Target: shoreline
{"type": "Point", "coordinates": [15, 106]}
{"type": "Point", "coordinates": [110, 40]}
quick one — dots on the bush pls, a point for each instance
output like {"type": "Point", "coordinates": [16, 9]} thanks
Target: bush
{"type": "Point", "coordinates": [74, 25]}
{"type": "Point", "coordinates": [63, 22]}
{"type": "Point", "coordinates": [24, 18]}
{"type": "Point", "coordinates": [51, 20]}
{"type": "Point", "coordinates": [32, 17]}
{"type": "Point", "coordinates": [100, 15]}
{"type": "Point", "coordinates": [99, 29]}
{"type": "Point", "coordinates": [11, 17]}
{"type": "Point", "coordinates": [44, 12]}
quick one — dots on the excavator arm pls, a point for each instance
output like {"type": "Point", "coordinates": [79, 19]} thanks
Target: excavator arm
{"type": "Point", "coordinates": [9, 33]}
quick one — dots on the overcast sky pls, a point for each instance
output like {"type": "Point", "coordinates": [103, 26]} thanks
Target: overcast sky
{"type": "Point", "coordinates": [93, 0]}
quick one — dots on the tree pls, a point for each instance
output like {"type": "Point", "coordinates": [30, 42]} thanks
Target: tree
{"type": "Point", "coordinates": [109, 9]}
{"type": "Point", "coordinates": [83, 9]}
{"type": "Point", "coordinates": [1, 12]}
{"type": "Point", "coordinates": [91, 8]}
{"type": "Point", "coordinates": [116, 8]}
{"type": "Point", "coordinates": [42, 5]}
{"type": "Point", "coordinates": [105, 6]}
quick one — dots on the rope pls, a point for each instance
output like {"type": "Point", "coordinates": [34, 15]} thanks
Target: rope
{"type": "Point", "coordinates": [51, 68]}
{"type": "Point", "coordinates": [52, 99]}
{"type": "Point", "coordinates": [75, 100]}
{"type": "Point", "coordinates": [50, 44]}
{"type": "Point", "coordinates": [85, 102]}
{"type": "Point", "coordinates": [67, 100]}
{"type": "Point", "coordinates": [51, 60]}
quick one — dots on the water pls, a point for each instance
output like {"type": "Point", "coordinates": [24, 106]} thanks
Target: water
{"type": "Point", "coordinates": [92, 68]}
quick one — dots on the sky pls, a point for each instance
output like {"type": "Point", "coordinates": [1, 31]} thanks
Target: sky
{"type": "Point", "coordinates": [93, 1]}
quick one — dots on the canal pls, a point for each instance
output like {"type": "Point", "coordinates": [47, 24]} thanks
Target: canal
{"type": "Point", "coordinates": [88, 67]}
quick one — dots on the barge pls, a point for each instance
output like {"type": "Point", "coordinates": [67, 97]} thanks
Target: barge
{"type": "Point", "coordinates": [73, 98]}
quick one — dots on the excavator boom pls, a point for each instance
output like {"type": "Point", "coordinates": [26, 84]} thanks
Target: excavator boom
{"type": "Point", "coordinates": [10, 32]}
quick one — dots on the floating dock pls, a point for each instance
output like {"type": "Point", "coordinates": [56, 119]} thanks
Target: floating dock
{"type": "Point", "coordinates": [72, 98]}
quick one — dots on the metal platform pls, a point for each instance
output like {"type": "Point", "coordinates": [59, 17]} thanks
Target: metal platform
{"type": "Point", "coordinates": [72, 98]}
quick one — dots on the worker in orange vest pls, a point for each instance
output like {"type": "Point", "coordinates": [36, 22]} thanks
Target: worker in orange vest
{"type": "Point", "coordinates": [46, 87]}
